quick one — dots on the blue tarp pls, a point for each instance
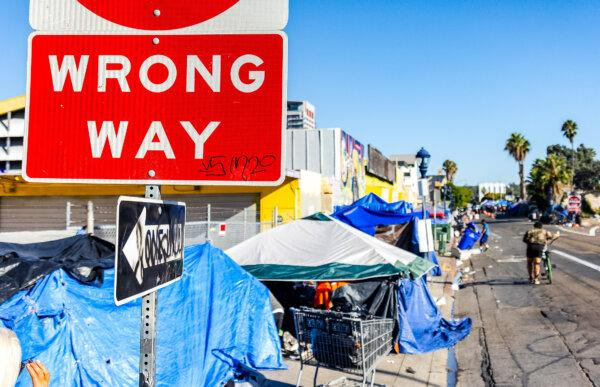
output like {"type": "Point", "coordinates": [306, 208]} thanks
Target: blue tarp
{"type": "Point", "coordinates": [422, 327]}
{"type": "Point", "coordinates": [367, 220]}
{"type": "Point", "coordinates": [371, 211]}
{"type": "Point", "coordinates": [491, 203]}
{"type": "Point", "coordinates": [518, 209]}
{"type": "Point", "coordinates": [376, 203]}
{"type": "Point", "coordinates": [215, 318]}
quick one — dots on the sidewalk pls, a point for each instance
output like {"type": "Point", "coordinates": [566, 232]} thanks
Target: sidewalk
{"type": "Point", "coordinates": [394, 370]}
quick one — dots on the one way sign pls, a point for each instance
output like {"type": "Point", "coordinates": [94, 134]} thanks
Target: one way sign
{"type": "Point", "coordinates": [149, 249]}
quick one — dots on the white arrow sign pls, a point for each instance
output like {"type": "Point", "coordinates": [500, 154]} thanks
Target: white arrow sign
{"type": "Point", "coordinates": [152, 245]}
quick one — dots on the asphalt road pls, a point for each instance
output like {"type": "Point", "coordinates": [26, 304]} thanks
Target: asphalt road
{"type": "Point", "coordinates": [530, 335]}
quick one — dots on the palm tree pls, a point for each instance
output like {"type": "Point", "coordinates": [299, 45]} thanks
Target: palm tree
{"type": "Point", "coordinates": [554, 173]}
{"type": "Point", "coordinates": [450, 168]}
{"type": "Point", "coordinates": [518, 147]}
{"type": "Point", "coordinates": [569, 130]}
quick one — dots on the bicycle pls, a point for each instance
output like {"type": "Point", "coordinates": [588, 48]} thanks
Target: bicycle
{"type": "Point", "coordinates": [547, 264]}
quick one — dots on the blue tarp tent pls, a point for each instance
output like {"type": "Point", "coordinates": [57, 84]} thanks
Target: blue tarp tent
{"type": "Point", "coordinates": [367, 219]}
{"type": "Point", "coordinates": [215, 318]}
{"type": "Point", "coordinates": [371, 211]}
{"type": "Point", "coordinates": [518, 209]}
{"type": "Point", "coordinates": [376, 203]}
{"type": "Point", "coordinates": [422, 327]}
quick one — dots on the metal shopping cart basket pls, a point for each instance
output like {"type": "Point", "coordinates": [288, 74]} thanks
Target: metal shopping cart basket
{"type": "Point", "coordinates": [345, 342]}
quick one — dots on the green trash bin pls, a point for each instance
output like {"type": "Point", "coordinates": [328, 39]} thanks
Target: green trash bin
{"type": "Point", "coordinates": [442, 233]}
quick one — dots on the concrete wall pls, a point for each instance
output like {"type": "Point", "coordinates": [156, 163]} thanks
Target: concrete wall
{"type": "Point", "coordinates": [311, 192]}
{"type": "Point", "coordinates": [312, 150]}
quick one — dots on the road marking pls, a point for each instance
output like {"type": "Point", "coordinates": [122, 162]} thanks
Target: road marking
{"type": "Point", "coordinates": [590, 233]}
{"type": "Point", "coordinates": [495, 235]}
{"type": "Point", "coordinates": [512, 260]}
{"type": "Point", "coordinates": [575, 259]}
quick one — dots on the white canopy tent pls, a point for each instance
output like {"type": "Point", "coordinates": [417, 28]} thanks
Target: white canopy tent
{"type": "Point", "coordinates": [323, 249]}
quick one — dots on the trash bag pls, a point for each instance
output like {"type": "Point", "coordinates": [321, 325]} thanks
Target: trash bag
{"type": "Point", "coordinates": [84, 257]}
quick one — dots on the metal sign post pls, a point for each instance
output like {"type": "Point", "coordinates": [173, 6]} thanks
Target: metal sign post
{"type": "Point", "coordinates": [149, 247]}
{"type": "Point", "coordinates": [148, 323]}
{"type": "Point", "coordinates": [148, 341]}
{"type": "Point", "coordinates": [149, 256]}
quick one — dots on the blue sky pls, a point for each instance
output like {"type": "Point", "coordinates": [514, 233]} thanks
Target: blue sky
{"type": "Point", "coordinates": [456, 77]}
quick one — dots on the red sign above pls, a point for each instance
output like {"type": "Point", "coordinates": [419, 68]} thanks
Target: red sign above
{"type": "Point", "coordinates": [187, 16]}
{"type": "Point", "coordinates": [158, 14]}
{"type": "Point", "coordinates": [176, 109]}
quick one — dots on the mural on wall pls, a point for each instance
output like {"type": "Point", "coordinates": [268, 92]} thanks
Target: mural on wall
{"type": "Point", "coordinates": [353, 169]}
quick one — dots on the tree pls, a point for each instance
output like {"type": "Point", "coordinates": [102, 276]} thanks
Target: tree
{"type": "Point", "coordinates": [585, 155]}
{"type": "Point", "coordinates": [560, 150]}
{"type": "Point", "coordinates": [536, 188]}
{"type": "Point", "coordinates": [569, 130]}
{"type": "Point", "coordinates": [587, 177]}
{"type": "Point", "coordinates": [518, 147]}
{"type": "Point", "coordinates": [450, 168]}
{"type": "Point", "coordinates": [549, 176]}
{"type": "Point", "coordinates": [587, 168]}
{"type": "Point", "coordinates": [492, 196]}
{"type": "Point", "coordinates": [461, 195]}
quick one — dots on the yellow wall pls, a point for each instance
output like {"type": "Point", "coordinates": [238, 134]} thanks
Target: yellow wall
{"type": "Point", "coordinates": [381, 188]}
{"type": "Point", "coordinates": [285, 197]}
{"type": "Point", "coordinates": [12, 104]}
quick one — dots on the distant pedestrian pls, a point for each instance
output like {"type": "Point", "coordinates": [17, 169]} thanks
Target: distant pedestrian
{"type": "Point", "coordinates": [485, 236]}
{"type": "Point", "coordinates": [537, 241]}
{"type": "Point", "coordinates": [11, 366]}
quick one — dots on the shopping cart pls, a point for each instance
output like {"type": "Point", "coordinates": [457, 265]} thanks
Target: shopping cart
{"type": "Point", "coordinates": [345, 342]}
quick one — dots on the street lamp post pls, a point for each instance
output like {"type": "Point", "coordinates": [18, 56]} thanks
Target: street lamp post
{"type": "Point", "coordinates": [423, 161]}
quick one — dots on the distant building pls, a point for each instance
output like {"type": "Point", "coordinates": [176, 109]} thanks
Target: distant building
{"type": "Point", "coordinates": [12, 127]}
{"type": "Point", "coordinates": [407, 176]}
{"type": "Point", "coordinates": [496, 188]}
{"type": "Point", "coordinates": [337, 156]}
{"type": "Point", "coordinates": [301, 115]}
{"type": "Point", "coordinates": [436, 182]}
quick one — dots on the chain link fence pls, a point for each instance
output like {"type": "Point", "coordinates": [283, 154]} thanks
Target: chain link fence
{"type": "Point", "coordinates": [223, 227]}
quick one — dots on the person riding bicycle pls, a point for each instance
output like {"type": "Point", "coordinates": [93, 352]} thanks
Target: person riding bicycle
{"type": "Point", "coordinates": [537, 240]}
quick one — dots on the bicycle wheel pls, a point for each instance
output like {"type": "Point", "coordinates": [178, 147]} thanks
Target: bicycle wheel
{"type": "Point", "coordinates": [548, 264]}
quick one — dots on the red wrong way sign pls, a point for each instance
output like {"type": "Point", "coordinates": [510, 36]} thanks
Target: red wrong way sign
{"type": "Point", "coordinates": [159, 109]}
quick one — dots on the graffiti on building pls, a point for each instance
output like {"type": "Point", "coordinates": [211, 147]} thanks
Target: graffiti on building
{"type": "Point", "coordinates": [353, 164]}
